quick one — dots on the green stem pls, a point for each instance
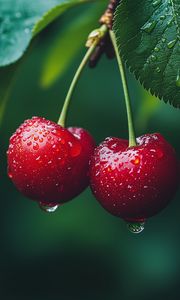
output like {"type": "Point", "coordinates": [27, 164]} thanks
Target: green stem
{"type": "Point", "coordinates": [132, 138]}
{"type": "Point", "coordinates": [63, 115]}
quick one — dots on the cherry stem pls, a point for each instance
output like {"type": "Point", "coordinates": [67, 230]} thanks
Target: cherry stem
{"type": "Point", "coordinates": [97, 35]}
{"type": "Point", "coordinates": [132, 137]}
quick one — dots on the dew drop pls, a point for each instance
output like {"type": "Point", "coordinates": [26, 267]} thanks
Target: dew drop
{"type": "Point", "coordinates": [10, 175]}
{"type": "Point", "coordinates": [54, 131]}
{"type": "Point", "coordinates": [158, 70]}
{"type": "Point", "coordinates": [36, 138]}
{"type": "Point", "coordinates": [48, 208]}
{"type": "Point", "coordinates": [27, 30]}
{"type": "Point", "coordinates": [29, 143]}
{"type": "Point", "coordinates": [149, 26]}
{"type": "Point", "coordinates": [171, 44]}
{"type": "Point", "coordinates": [178, 79]}
{"type": "Point", "coordinates": [163, 39]}
{"type": "Point", "coordinates": [156, 49]}
{"type": "Point", "coordinates": [18, 15]}
{"type": "Point", "coordinates": [136, 161]}
{"type": "Point", "coordinates": [35, 146]}
{"type": "Point", "coordinates": [162, 17]}
{"type": "Point", "coordinates": [156, 2]}
{"type": "Point", "coordinates": [153, 58]}
{"type": "Point", "coordinates": [135, 227]}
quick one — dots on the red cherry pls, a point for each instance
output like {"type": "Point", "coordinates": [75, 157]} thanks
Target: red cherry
{"type": "Point", "coordinates": [134, 183]}
{"type": "Point", "coordinates": [49, 163]}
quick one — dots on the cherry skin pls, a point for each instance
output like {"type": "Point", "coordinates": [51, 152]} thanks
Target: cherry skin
{"type": "Point", "coordinates": [134, 183]}
{"type": "Point", "coordinates": [49, 163]}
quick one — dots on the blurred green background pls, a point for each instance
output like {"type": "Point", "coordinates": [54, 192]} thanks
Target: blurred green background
{"type": "Point", "coordinates": [82, 252]}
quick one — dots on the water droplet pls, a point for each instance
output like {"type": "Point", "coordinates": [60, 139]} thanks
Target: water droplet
{"type": "Point", "coordinates": [162, 17]}
{"type": "Point", "coordinates": [48, 208]}
{"type": "Point", "coordinates": [171, 44]}
{"type": "Point", "coordinates": [178, 79]}
{"type": "Point", "coordinates": [153, 58]}
{"type": "Point", "coordinates": [136, 161]}
{"type": "Point", "coordinates": [27, 30]}
{"type": "Point", "coordinates": [29, 143]}
{"type": "Point", "coordinates": [156, 49]}
{"type": "Point", "coordinates": [36, 137]}
{"type": "Point", "coordinates": [158, 70]}
{"type": "Point", "coordinates": [156, 2]}
{"type": "Point", "coordinates": [164, 40]}
{"type": "Point", "coordinates": [35, 146]}
{"type": "Point", "coordinates": [149, 26]}
{"type": "Point", "coordinates": [54, 131]}
{"type": "Point", "coordinates": [18, 15]}
{"type": "Point", "coordinates": [75, 150]}
{"type": "Point", "coordinates": [10, 175]}
{"type": "Point", "coordinates": [135, 227]}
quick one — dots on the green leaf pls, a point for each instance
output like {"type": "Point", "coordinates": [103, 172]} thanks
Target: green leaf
{"type": "Point", "coordinates": [17, 20]}
{"type": "Point", "coordinates": [148, 34]}
{"type": "Point", "coordinates": [66, 45]}
{"type": "Point", "coordinates": [52, 14]}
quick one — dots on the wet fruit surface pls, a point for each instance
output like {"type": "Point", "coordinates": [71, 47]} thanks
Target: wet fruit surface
{"type": "Point", "coordinates": [137, 182]}
{"type": "Point", "coordinates": [49, 163]}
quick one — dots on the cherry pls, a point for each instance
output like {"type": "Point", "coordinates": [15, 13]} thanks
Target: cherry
{"type": "Point", "coordinates": [134, 183]}
{"type": "Point", "coordinates": [49, 163]}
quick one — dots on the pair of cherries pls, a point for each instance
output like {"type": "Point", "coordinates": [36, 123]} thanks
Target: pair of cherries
{"type": "Point", "coordinates": [51, 165]}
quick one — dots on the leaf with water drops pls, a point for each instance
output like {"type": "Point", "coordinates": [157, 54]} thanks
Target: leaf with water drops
{"type": "Point", "coordinates": [148, 36]}
{"type": "Point", "coordinates": [19, 18]}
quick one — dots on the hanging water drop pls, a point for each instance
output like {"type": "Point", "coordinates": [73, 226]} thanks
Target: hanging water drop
{"type": "Point", "coordinates": [149, 26]}
{"type": "Point", "coordinates": [48, 208]}
{"type": "Point", "coordinates": [135, 227]}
